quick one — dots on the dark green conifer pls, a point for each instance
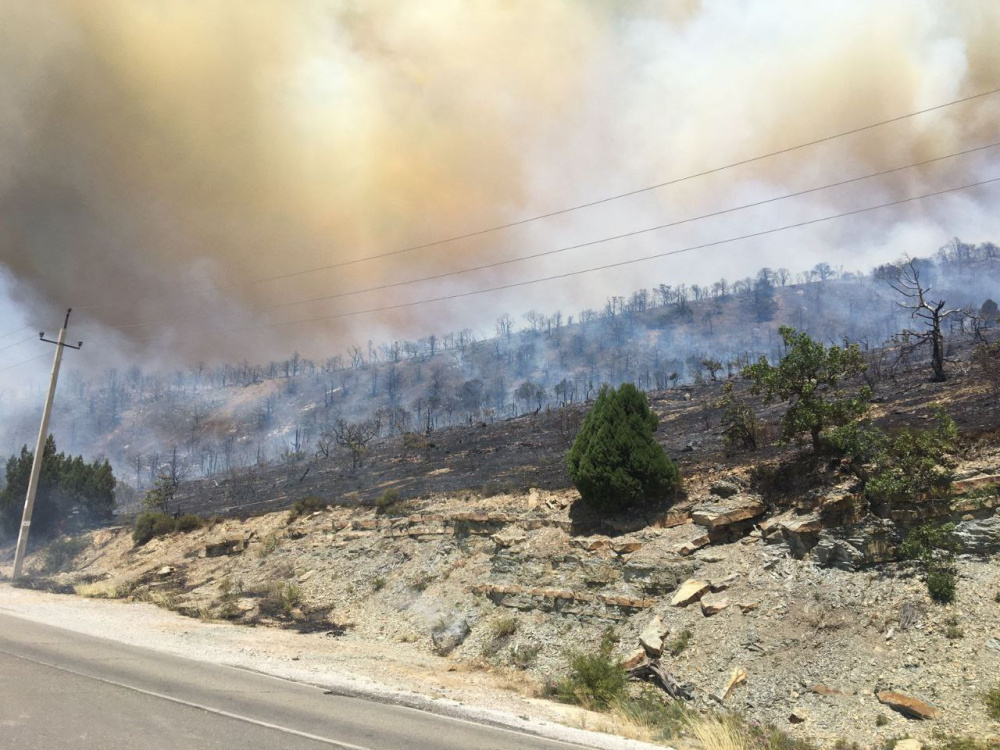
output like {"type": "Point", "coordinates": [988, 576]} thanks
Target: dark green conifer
{"type": "Point", "coordinates": [615, 461]}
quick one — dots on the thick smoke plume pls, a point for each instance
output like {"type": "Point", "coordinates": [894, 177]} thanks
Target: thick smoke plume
{"type": "Point", "coordinates": [153, 150]}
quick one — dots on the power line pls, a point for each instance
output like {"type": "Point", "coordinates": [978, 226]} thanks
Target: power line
{"type": "Point", "coordinates": [578, 246]}
{"type": "Point", "coordinates": [616, 264]}
{"type": "Point", "coordinates": [18, 343]}
{"type": "Point", "coordinates": [561, 211]}
{"type": "Point", "coordinates": [16, 330]}
{"type": "Point", "coordinates": [18, 364]}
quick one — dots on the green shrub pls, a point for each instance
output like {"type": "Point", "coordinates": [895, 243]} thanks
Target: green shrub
{"type": "Point", "coordinates": [881, 720]}
{"type": "Point", "coordinates": [742, 427]}
{"type": "Point", "coordinates": [991, 699]}
{"type": "Point", "coordinates": [809, 378]}
{"type": "Point", "coordinates": [189, 522]}
{"type": "Point", "coordinates": [150, 525]}
{"type": "Point", "coordinates": [505, 627]}
{"type": "Point", "coordinates": [279, 598]}
{"type": "Point", "coordinates": [306, 506]}
{"type": "Point", "coordinates": [941, 585]}
{"type": "Point", "coordinates": [615, 460]}
{"type": "Point", "coordinates": [391, 503]}
{"type": "Point", "coordinates": [678, 644]}
{"type": "Point", "coordinates": [595, 680]}
{"type": "Point", "coordinates": [899, 465]}
{"type": "Point", "coordinates": [62, 552]}
{"type": "Point", "coordinates": [933, 548]}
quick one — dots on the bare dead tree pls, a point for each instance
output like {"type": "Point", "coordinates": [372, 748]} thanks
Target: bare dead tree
{"type": "Point", "coordinates": [355, 437]}
{"type": "Point", "coordinates": [928, 312]}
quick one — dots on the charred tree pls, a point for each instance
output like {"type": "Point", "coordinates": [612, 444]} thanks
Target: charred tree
{"type": "Point", "coordinates": [928, 312]}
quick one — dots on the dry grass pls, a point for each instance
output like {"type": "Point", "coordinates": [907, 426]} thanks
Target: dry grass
{"type": "Point", "coordinates": [101, 590]}
{"type": "Point", "coordinates": [162, 599]}
{"type": "Point", "coordinates": [715, 733]}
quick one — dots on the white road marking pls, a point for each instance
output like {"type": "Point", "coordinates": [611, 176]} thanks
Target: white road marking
{"type": "Point", "coordinates": [199, 706]}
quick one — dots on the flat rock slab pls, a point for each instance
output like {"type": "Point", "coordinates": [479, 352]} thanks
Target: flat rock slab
{"type": "Point", "coordinates": [690, 591]}
{"type": "Point", "coordinates": [907, 705]}
{"type": "Point", "coordinates": [712, 604]}
{"type": "Point", "coordinates": [721, 515]}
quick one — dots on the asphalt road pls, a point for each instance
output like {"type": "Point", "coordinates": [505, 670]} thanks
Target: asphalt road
{"type": "Point", "coordinates": [60, 689]}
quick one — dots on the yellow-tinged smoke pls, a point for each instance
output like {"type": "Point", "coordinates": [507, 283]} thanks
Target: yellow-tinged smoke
{"type": "Point", "coordinates": [152, 148]}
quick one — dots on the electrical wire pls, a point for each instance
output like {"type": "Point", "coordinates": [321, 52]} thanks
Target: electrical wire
{"type": "Point", "coordinates": [18, 364]}
{"type": "Point", "coordinates": [557, 212]}
{"type": "Point", "coordinates": [18, 343]}
{"type": "Point", "coordinates": [544, 253]}
{"type": "Point", "coordinates": [616, 264]}
{"type": "Point", "coordinates": [16, 330]}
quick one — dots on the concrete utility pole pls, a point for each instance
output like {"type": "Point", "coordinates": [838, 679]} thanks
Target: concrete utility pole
{"type": "Point", "coordinates": [43, 433]}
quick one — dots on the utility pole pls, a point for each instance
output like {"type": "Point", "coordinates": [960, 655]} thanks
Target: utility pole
{"type": "Point", "coordinates": [43, 433]}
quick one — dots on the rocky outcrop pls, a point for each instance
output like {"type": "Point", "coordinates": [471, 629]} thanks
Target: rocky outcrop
{"type": "Point", "coordinates": [800, 531]}
{"type": "Point", "coordinates": [563, 601]}
{"type": "Point", "coordinates": [727, 518]}
{"type": "Point", "coordinates": [724, 488]}
{"type": "Point", "coordinates": [656, 570]}
{"type": "Point", "coordinates": [854, 547]}
{"type": "Point", "coordinates": [980, 536]}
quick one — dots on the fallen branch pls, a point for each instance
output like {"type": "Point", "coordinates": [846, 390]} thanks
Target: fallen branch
{"type": "Point", "coordinates": [655, 673]}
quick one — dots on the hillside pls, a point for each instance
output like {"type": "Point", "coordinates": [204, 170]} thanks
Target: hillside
{"type": "Point", "coordinates": [769, 563]}
{"type": "Point", "coordinates": [213, 421]}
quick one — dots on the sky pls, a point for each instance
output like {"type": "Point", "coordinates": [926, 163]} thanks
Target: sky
{"type": "Point", "coordinates": [160, 160]}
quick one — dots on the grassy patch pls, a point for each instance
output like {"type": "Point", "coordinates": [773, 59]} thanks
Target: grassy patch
{"type": "Point", "coordinates": [681, 642]}
{"type": "Point", "coordinates": [982, 493]}
{"type": "Point", "coordinates": [500, 632]}
{"type": "Point", "coordinates": [228, 594]}
{"type": "Point", "coordinates": [659, 717]}
{"type": "Point", "coordinates": [953, 631]}
{"type": "Point", "coordinates": [596, 681]}
{"type": "Point", "coordinates": [102, 590]}
{"type": "Point", "coordinates": [267, 545]}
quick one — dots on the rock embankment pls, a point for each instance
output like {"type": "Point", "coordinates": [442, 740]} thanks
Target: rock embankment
{"type": "Point", "coordinates": [787, 618]}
